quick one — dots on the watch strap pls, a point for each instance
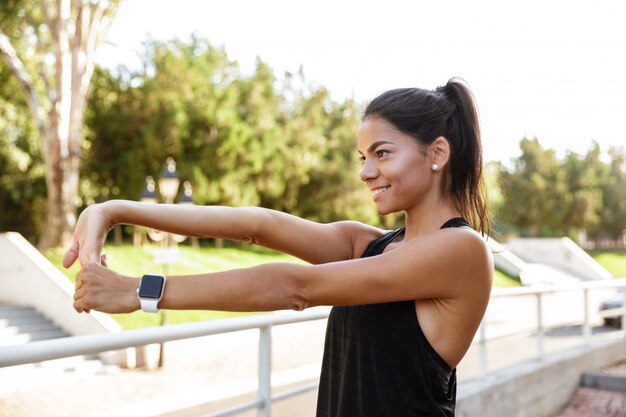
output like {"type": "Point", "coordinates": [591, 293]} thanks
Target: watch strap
{"type": "Point", "coordinates": [149, 306]}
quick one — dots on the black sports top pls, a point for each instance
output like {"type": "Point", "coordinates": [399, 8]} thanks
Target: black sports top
{"type": "Point", "coordinates": [378, 363]}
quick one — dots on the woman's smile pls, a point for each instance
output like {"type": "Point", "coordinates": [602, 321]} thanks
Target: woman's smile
{"type": "Point", "coordinates": [377, 192]}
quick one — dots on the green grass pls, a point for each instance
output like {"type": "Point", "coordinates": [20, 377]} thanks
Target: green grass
{"type": "Point", "coordinates": [136, 261]}
{"type": "Point", "coordinates": [502, 280]}
{"type": "Point", "coordinates": [613, 260]}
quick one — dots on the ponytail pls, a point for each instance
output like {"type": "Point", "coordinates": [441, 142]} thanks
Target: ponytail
{"type": "Point", "coordinates": [464, 178]}
{"type": "Point", "coordinates": [448, 111]}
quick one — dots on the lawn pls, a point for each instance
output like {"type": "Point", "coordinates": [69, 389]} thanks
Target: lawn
{"type": "Point", "coordinates": [501, 280]}
{"type": "Point", "coordinates": [613, 260]}
{"type": "Point", "coordinates": [136, 261]}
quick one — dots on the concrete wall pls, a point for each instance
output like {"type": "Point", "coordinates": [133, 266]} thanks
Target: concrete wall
{"type": "Point", "coordinates": [538, 387]}
{"type": "Point", "coordinates": [28, 279]}
{"type": "Point", "coordinates": [506, 260]}
{"type": "Point", "coordinates": [561, 253]}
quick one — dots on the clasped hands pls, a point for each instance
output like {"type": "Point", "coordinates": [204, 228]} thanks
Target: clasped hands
{"type": "Point", "coordinates": [97, 286]}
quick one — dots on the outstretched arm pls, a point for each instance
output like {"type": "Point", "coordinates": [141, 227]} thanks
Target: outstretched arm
{"type": "Point", "coordinates": [447, 264]}
{"type": "Point", "coordinates": [313, 242]}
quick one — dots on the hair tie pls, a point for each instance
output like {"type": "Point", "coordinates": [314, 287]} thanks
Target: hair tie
{"type": "Point", "coordinates": [435, 104]}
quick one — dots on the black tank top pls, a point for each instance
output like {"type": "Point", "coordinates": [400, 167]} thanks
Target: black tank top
{"type": "Point", "coordinates": [378, 363]}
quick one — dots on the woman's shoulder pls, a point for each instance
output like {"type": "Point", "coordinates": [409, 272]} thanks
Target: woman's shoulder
{"type": "Point", "coordinates": [361, 235]}
{"type": "Point", "coordinates": [464, 247]}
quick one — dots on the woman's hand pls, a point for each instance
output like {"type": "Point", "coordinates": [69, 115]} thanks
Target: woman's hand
{"type": "Point", "coordinates": [99, 288]}
{"type": "Point", "coordinates": [89, 236]}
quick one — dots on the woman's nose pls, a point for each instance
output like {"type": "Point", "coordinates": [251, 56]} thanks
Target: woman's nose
{"type": "Point", "coordinates": [368, 172]}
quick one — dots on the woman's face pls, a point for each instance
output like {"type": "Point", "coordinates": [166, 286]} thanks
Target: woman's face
{"type": "Point", "coordinates": [396, 168]}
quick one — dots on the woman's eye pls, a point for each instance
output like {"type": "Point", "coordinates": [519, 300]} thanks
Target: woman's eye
{"type": "Point", "coordinates": [382, 153]}
{"type": "Point", "coordinates": [362, 159]}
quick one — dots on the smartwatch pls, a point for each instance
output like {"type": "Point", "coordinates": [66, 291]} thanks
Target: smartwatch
{"type": "Point", "coordinates": [150, 292]}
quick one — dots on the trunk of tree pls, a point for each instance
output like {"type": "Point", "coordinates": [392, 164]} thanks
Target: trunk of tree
{"type": "Point", "coordinates": [62, 172]}
{"type": "Point", "coordinates": [72, 41]}
{"type": "Point", "coordinates": [60, 217]}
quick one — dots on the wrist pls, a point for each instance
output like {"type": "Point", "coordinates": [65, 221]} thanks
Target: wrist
{"type": "Point", "coordinates": [133, 301]}
{"type": "Point", "coordinates": [109, 212]}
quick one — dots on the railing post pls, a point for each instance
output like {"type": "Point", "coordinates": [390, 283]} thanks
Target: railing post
{"type": "Point", "coordinates": [586, 325]}
{"type": "Point", "coordinates": [265, 371]}
{"type": "Point", "coordinates": [539, 326]}
{"type": "Point", "coordinates": [624, 310]}
{"type": "Point", "coordinates": [482, 340]}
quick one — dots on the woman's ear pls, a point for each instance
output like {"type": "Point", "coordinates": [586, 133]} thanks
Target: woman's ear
{"type": "Point", "coordinates": [439, 153]}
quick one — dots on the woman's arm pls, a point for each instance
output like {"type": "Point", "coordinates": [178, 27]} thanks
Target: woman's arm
{"type": "Point", "coordinates": [310, 241]}
{"type": "Point", "coordinates": [449, 264]}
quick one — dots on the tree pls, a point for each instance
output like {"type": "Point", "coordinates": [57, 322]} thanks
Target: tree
{"type": "Point", "coordinates": [240, 139]}
{"type": "Point", "coordinates": [535, 189]}
{"type": "Point", "coordinates": [613, 211]}
{"type": "Point", "coordinates": [582, 202]}
{"type": "Point", "coordinates": [22, 177]}
{"type": "Point", "coordinates": [49, 47]}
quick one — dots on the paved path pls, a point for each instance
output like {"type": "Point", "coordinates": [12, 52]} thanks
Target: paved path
{"type": "Point", "coordinates": [207, 373]}
{"type": "Point", "coordinates": [590, 402]}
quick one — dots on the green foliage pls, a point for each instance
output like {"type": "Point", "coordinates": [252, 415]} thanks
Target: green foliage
{"type": "Point", "coordinates": [240, 139]}
{"type": "Point", "coordinates": [612, 221]}
{"type": "Point", "coordinates": [22, 176]}
{"type": "Point", "coordinates": [545, 196]}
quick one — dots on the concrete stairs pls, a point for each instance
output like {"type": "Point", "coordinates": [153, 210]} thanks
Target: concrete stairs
{"type": "Point", "coordinates": [20, 325]}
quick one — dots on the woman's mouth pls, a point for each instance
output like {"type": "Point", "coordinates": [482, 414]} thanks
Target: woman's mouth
{"type": "Point", "coordinates": [378, 192]}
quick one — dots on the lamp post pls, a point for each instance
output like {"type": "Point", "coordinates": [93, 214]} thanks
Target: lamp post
{"type": "Point", "coordinates": [168, 189]}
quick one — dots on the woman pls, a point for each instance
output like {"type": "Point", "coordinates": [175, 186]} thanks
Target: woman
{"type": "Point", "coordinates": [407, 302]}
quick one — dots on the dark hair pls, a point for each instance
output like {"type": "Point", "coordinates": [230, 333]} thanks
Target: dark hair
{"type": "Point", "coordinates": [447, 111]}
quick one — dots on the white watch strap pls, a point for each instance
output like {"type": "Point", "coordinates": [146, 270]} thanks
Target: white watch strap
{"type": "Point", "coordinates": [149, 306]}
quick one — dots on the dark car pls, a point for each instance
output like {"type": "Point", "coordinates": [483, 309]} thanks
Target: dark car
{"type": "Point", "coordinates": [612, 309]}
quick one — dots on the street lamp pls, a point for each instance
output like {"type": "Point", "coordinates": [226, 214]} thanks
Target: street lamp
{"type": "Point", "coordinates": [168, 183]}
{"type": "Point", "coordinates": [149, 195]}
{"type": "Point", "coordinates": [168, 189]}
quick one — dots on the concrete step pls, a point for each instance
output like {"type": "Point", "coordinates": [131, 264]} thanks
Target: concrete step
{"type": "Point", "coordinates": [9, 312]}
{"type": "Point", "coordinates": [13, 327]}
{"type": "Point", "coordinates": [19, 325]}
{"type": "Point", "coordinates": [602, 380]}
{"type": "Point", "coordinates": [21, 338]}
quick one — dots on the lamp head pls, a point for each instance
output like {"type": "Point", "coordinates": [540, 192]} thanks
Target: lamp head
{"type": "Point", "coordinates": [148, 195]}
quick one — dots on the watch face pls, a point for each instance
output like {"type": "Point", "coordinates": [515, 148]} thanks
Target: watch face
{"type": "Point", "coordinates": [151, 286]}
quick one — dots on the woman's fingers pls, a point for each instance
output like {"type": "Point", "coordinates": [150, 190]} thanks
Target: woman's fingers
{"type": "Point", "coordinates": [99, 288]}
{"type": "Point", "coordinates": [71, 255]}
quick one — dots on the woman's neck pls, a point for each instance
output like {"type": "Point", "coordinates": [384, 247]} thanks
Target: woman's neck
{"type": "Point", "coordinates": [428, 218]}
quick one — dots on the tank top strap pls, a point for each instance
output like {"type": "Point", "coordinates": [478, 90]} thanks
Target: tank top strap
{"type": "Point", "coordinates": [455, 222]}
{"type": "Point", "coordinates": [378, 245]}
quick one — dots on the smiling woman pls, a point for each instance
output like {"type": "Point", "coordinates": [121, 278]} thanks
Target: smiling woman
{"type": "Point", "coordinates": [407, 302]}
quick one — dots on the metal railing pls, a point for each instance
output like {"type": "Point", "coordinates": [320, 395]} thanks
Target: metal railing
{"type": "Point", "coordinates": [538, 292]}
{"type": "Point", "coordinates": [82, 345]}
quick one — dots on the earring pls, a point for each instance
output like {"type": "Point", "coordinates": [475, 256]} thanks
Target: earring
{"type": "Point", "coordinates": [434, 167]}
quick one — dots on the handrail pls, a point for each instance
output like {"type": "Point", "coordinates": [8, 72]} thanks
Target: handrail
{"type": "Point", "coordinates": [547, 289]}
{"type": "Point", "coordinates": [538, 291]}
{"type": "Point", "coordinates": [89, 344]}
{"type": "Point", "coordinates": [102, 342]}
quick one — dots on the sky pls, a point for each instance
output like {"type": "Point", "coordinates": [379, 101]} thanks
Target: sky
{"type": "Point", "coordinates": [538, 68]}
